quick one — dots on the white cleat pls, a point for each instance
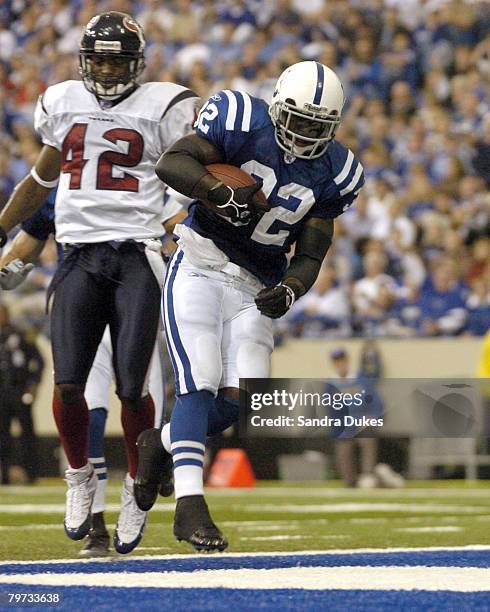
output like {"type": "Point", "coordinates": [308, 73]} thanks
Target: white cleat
{"type": "Point", "coordinates": [388, 477]}
{"type": "Point", "coordinates": [79, 497]}
{"type": "Point", "coordinates": [367, 481]}
{"type": "Point", "coordinates": [131, 522]}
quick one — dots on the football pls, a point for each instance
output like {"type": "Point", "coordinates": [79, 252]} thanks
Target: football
{"type": "Point", "coordinates": [234, 177]}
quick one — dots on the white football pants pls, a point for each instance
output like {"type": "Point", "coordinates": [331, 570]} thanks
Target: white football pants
{"type": "Point", "coordinates": [215, 334]}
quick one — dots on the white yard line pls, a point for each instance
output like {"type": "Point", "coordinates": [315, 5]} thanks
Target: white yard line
{"type": "Point", "coordinates": [435, 529]}
{"type": "Point", "coordinates": [461, 579]}
{"type": "Point", "coordinates": [337, 492]}
{"type": "Point", "coordinates": [286, 491]}
{"type": "Point", "coordinates": [60, 508]}
{"type": "Point", "coordinates": [294, 537]}
{"type": "Point", "coordinates": [358, 507]}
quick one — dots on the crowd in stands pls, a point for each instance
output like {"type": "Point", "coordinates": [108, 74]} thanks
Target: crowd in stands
{"type": "Point", "coordinates": [412, 256]}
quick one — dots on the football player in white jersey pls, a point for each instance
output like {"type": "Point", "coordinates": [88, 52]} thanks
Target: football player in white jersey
{"type": "Point", "coordinates": [102, 137]}
{"type": "Point", "coordinates": [15, 265]}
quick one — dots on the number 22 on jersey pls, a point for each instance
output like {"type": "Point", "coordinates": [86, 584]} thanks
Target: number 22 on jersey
{"type": "Point", "coordinates": [297, 202]}
{"type": "Point", "coordinates": [73, 160]}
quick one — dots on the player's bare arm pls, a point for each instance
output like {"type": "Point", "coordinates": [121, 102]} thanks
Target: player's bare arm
{"type": "Point", "coordinates": [311, 247]}
{"type": "Point", "coordinates": [16, 264]}
{"type": "Point", "coordinates": [183, 167]}
{"type": "Point", "coordinates": [32, 191]}
{"type": "Point", "coordinates": [25, 247]}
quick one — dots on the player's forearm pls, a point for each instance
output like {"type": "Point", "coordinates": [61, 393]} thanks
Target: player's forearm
{"type": "Point", "coordinates": [302, 274]}
{"type": "Point", "coordinates": [30, 193]}
{"type": "Point", "coordinates": [311, 248]}
{"type": "Point", "coordinates": [25, 247]}
{"type": "Point", "coordinates": [26, 199]}
{"type": "Point", "coordinates": [182, 167]}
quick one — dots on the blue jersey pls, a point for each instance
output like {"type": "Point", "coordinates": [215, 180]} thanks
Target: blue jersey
{"type": "Point", "coordinates": [297, 189]}
{"type": "Point", "coordinates": [41, 224]}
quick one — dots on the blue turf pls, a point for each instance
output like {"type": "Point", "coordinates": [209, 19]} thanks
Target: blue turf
{"type": "Point", "coordinates": [244, 600]}
{"type": "Point", "coordinates": [443, 558]}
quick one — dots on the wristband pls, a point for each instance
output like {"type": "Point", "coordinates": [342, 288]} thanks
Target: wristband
{"type": "Point", "coordinates": [42, 182]}
{"type": "Point", "coordinates": [220, 194]}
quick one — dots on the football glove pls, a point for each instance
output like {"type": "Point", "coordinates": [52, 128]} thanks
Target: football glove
{"type": "Point", "coordinates": [240, 205]}
{"type": "Point", "coordinates": [274, 302]}
{"type": "Point", "coordinates": [14, 273]}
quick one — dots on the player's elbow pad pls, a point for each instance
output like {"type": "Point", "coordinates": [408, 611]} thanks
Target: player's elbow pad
{"type": "Point", "coordinates": [180, 171]}
{"type": "Point", "coordinates": [166, 168]}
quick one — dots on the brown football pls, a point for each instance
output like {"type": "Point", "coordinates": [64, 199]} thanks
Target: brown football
{"type": "Point", "coordinates": [234, 177]}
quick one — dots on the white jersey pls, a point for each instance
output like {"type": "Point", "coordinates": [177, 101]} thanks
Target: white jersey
{"type": "Point", "coordinates": [108, 188]}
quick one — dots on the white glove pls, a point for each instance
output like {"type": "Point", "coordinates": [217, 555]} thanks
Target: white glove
{"type": "Point", "coordinates": [14, 273]}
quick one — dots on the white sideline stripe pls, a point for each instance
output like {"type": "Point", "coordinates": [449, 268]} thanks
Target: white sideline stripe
{"type": "Point", "coordinates": [301, 553]}
{"type": "Point", "coordinates": [345, 170]}
{"type": "Point", "coordinates": [232, 108]}
{"type": "Point", "coordinates": [247, 111]}
{"type": "Point", "coordinates": [460, 579]}
{"type": "Point", "coordinates": [357, 507]}
{"type": "Point", "coordinates": [188, 444]}
{"type": "Point", "coordinates": [350, 187]}
{"type": "Point", "coordinates": [439, 529]}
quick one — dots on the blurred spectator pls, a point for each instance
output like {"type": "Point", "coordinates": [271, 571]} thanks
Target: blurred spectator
{"type": "Point", "coordinates": [366, 473]}
{"type": "Point", "coordinates": [442, 302]}
{"type": "Point", "coordinates": [21, 367]}
{"type": "Point", "coordinates": [478, 306]}
{"type": "Point", "coordinates": [373, 295]}
{"type": "Point", "coordinates": [324, 310]}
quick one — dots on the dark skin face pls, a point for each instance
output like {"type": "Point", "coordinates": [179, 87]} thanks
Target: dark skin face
{"type": "Point", "coordinates": [107, 67]}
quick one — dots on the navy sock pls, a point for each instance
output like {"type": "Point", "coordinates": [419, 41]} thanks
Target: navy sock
{"type": "Point", "coordinates": [188, 428]}
{"type": "Point", "coordinates": [223, 414]}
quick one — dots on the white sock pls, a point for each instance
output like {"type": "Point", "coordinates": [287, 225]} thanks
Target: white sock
{"type": "Point", "coordinates": [84, 468]}
{"type": "Point", "coordinates": [100, 468]}
{"type": "Point", "coordinates": [166, 437]}
{"type": "Point", "coordinates": [99, 498]}
{"type": "Point", "coordinates": [188, 481]}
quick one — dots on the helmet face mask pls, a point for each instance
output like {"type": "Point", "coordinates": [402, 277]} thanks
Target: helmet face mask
{"type": "Point", "coordinates": [111, 55]}
{"type": "Point", "coordinates": [305, 111]}
{"type": "Point", "coordinates": [302, 134]}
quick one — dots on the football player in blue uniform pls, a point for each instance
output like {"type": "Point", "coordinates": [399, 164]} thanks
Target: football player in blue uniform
{"type": "Point", "coordinates": [230, 275]}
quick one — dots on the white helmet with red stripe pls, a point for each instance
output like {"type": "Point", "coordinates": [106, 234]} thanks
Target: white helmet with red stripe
{"type": "Point", "coordinates": [306, 109]}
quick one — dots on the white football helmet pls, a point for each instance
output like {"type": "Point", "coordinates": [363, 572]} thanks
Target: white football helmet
{"type": "Point", "coordinates": [306, 109]}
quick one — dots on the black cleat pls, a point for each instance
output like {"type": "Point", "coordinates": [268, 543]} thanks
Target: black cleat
{"type": "Point", "coordinates": [97, 540]}
{"type": "Point", "coordinates": [155, 470]}
{"type": "Point", "coordinates": [194, 524]}
{"type": "Point", "coordinates": [96, 544]}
